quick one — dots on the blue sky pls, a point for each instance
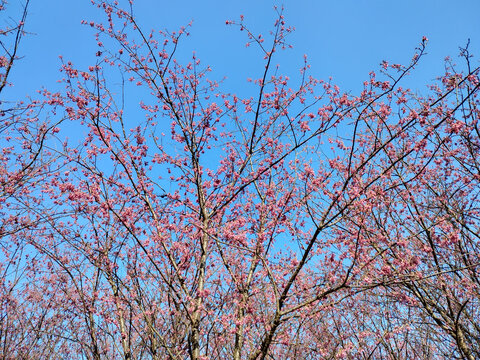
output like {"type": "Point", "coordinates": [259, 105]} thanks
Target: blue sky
{"type": "Point", "coordinates": [344, 39]}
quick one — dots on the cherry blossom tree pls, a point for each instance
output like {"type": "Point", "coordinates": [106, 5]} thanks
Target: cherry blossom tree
{"type": "Point", "coordinates": [297, 222]}
{"type": "Point", "coordinates": [437, 225]}
{"type": "Point", "coordinates": [24, 163]}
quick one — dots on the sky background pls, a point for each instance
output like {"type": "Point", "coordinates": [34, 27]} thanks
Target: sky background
{"type": "Point", "coordinates": [344, 39]}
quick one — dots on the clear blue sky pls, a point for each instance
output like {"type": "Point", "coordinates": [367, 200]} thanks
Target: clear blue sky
{"type": "Point", "coordinates": [344, 39]}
